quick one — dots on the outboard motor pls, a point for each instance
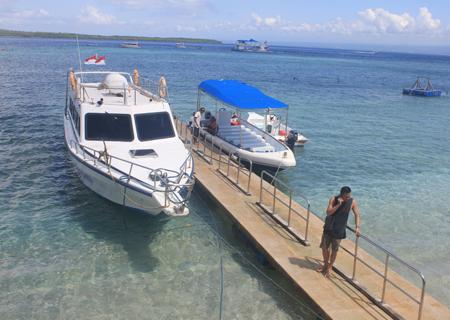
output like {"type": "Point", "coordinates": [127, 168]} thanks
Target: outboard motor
{"type": "Point", "coordinates": [291, 139]}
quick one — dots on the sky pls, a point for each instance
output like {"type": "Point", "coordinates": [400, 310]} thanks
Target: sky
{"type": "Point", "coordinates": [394, 22]}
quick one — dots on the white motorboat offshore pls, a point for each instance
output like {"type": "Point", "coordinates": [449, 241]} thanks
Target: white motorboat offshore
{"type": "Point", "coordinates": [124, 144]}
{"type": "Point", "coordinates": [250, 46]}
{"type": "Point", "coordinates": [235, 135]}
{"type": "Point", "coordinates": [134, 45]}
{"type": "Point", "coordinates": [272, 124]}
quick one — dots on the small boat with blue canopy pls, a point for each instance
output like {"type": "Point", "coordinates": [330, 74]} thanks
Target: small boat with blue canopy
{"type": "Point", "coordinates": [419, 89]}
{"type": "Point", "coordinates": [225, 101]}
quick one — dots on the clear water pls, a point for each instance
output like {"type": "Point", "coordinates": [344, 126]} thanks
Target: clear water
{"type": "Point", "coordinates": [65, 252]}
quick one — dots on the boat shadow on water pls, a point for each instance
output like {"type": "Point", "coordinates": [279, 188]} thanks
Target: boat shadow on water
{"type": "Point", "coordinates": [133, 230]}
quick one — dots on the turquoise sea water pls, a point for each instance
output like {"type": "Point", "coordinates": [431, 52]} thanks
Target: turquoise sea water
{"type": "Point", "coordinates": [67, 253]}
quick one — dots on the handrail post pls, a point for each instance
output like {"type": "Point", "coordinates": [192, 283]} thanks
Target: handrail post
{"type": "Point", "coordinates": [261, 188]}
{"type": "Point", "coordinates": [212, 148]}
{"type": "Point", "coordinates": [228, 166]}
{"type": "Point", "coordinates": [355, 258]}
{"type": "Point", "coordinates": [220, 156]}
{"type": "Point", "coordinates": [249, 176]}
{"type": "Point", "coordinates": [238, 170]}
{"type": "Point", "coordinates": [307, 221]}
{"type": "Point", "coordinates": [386, 262]}
{"type": "Point", "coordinates": [422, 297]}
{"type": "Point", "coordinates": [204, 144]}
{"type": "Point", "coordinates": [290, 207]}
{"type": "Point", "coordinates": [274, 197]}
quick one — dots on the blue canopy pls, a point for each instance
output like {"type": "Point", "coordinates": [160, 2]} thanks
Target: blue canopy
{"type": "Point", "coordinates": [239, 95]}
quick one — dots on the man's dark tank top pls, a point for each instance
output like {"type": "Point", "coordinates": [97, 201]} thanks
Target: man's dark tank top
{"type": "Point", "coordinates": [336, 223]}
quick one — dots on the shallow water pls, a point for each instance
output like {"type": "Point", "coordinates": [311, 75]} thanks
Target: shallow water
{"type": "Point", "coordinates": [65, 252]}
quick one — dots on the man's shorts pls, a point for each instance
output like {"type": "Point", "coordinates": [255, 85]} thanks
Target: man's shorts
{"type": "Point", "coordinates": [328, 241]}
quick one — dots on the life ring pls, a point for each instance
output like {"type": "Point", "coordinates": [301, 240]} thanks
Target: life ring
{"type": "Point", "coordinates": [73, 80]}
{"type": "Point", "coordinates": [136, 80]}
{"type": "Point", "coordinates": [162, 88]}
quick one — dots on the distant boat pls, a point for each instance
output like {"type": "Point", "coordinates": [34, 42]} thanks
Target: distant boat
{"type": "Point", "coordinates": [251, 45]}
{"type": "Point", "coordinates": [180, 45]}
{"type": "Point", "coordinates": [130, 45]}
{"type": "Point", "coordinates": [418, 89]}
{"type": "Point", "coordinates": [95, 60]}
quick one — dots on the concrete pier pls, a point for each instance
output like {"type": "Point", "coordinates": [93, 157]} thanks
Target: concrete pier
{"type": "Point", "coordinates": [279, 226]}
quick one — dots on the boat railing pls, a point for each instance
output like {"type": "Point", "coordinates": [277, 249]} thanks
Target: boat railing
{"type": "Point", "coordinates": [130, 90]}
{"type": "Point", "coordinates": [164, 180]}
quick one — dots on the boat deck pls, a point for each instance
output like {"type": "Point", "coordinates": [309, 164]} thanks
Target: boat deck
{"type": "Point", "coordinates": [336, 297]}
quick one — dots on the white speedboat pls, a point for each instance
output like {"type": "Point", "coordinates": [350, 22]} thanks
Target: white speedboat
{"type": "Point", "coordinates": [237, 136]}
{"type": "Point", "coordinates": [134, 45]}
{"type": "Point", "coordinates": [250, 46]}
{"type": "Point", "coordinates": [124, 144]}
{"type": "Point", "coordinates": [273, 125]}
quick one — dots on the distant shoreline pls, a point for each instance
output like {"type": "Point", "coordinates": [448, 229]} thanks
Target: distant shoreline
{"type": "Point", "coordinates": [63, 35]}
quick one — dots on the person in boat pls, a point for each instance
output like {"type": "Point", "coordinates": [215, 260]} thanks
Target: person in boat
{"type": "Point", "coordinates": [335, 225]}
{"type": "Point", "coordinates": [212, 127]}
{"type": "Point", "coordinates": [100, 102]}
{"type": "Point", "coordinates": [197, 119]}
{"type": "Point", "coordinates": [235, 120]}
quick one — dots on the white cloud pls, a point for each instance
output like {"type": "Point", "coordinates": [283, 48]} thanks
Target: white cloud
{"type": "Point", "coordinates": [90, 14]}
{"type": "Point", "coordinates": [19, 17]}
{"type": "Point", "coordinates": [177, 4]}
{"type": "Point", "coordinates": [426, 21]}
{"type": "Point", "coordinates": [386, 22]}
{"type": "Point", "coordinates": [29, 14]}
{"type": "Point", "coordinates": [375, 21]}
{"type": "Point", "coordinates": [266, 22]}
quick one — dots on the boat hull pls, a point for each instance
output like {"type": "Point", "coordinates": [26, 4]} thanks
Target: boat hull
{"type": "Point", "coordinates": [114, 190]}
{"type": "Point", "coordinates": [422, 93]}
{"type": "Point", "coordinates": [272, 162]}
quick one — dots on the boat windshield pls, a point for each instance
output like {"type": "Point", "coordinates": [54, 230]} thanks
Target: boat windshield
{"type": "Point", "coordinates": [108, 127]}
{"type": "Point", "coordinates": [153, 126]}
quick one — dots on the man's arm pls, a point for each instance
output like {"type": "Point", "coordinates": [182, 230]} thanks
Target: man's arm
{"type": "Point", "coordinates": [357, 215]}
{"type": "Point", "coordinates": [332, 209]}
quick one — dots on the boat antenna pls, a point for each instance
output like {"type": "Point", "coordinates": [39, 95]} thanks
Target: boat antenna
{"type": "Point", "coordinates": [79, 58]}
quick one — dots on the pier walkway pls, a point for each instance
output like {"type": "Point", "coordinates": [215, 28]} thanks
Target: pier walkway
{"type": "Point", "coordinates": [361, 286]}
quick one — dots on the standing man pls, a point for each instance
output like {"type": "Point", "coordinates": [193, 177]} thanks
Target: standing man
{"type": "Point", "coordinates": [335, 224]}
{"type": "Point", "coordinates": [197, 119]}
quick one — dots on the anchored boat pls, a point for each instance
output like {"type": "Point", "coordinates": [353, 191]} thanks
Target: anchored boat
{"type": "Point", "coordinates": [124, 144]}
{"type": "Point", "coordinates": [236, 135]}
{"type": "Point", "coordinates": [418, 89]}
{"type": "Point", "coordinates": [280, 131]}
{"type": "Point", "coordinates": [250, 46]}
{"type": "Point", "coordinates": [134, 45]}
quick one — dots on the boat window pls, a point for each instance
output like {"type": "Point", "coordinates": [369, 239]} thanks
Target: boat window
{"type": "Point", "coordinates": [108, 126]}
{"type": "Point", "coordinates": [153, 126]}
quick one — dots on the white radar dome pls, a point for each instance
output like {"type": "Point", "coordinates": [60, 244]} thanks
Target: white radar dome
{"type": "Point", "coordinates": [114, 81]}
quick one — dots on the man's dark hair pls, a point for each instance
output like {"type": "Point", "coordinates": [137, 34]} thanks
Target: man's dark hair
{"type": "Point", "coordinates": [345, 190]}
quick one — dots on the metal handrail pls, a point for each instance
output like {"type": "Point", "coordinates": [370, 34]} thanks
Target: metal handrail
{"type": "Point", "coordinates": [388, 257]}
{"type": "Point", "coordinates": [216, 149]}
{"type": "Point", "coordinates": [285, 224]}
{"type": "Point", "coordinates": [304, 239]}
